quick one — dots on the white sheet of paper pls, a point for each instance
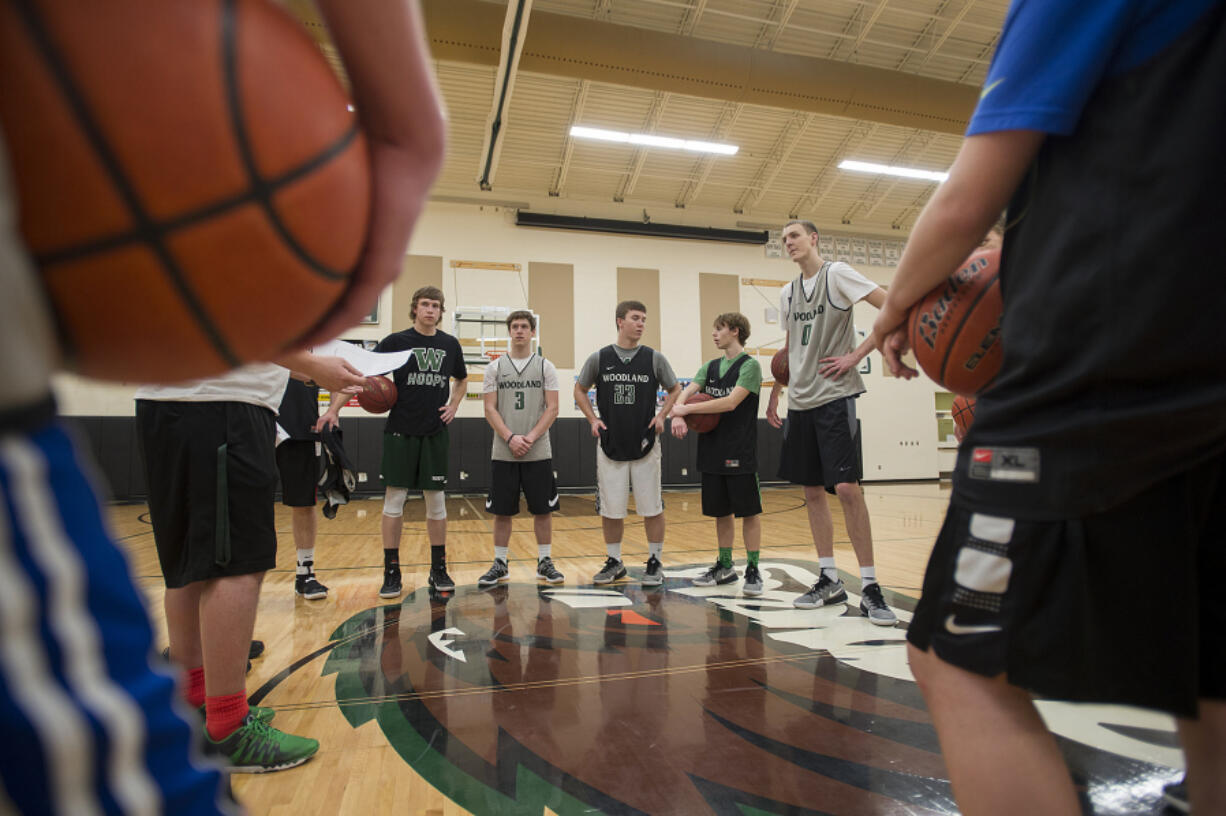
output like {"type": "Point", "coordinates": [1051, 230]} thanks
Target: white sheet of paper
{"type": "Point", "coordinates": [369, 363]}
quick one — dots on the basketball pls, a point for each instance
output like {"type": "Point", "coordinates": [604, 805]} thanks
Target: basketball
{"type": "Point", "coordinates": [955, 329]}
{"type": "Point", "coordinates": [701, 423]}
{"type": "Point", "coordinates": [779, 366]}
{"type": "Point", "coordinates": [378, 395]}
{"type": "Point", "coordinates": [964, 412]}
{"type": "Point", "coordinates": [191, 184]}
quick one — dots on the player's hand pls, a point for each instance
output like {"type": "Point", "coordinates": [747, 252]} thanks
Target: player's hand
{"type": "Point", "coordinates": [834, 367]}
{"type": "Point", "coordinates": [328, 420]}
{"type": "Point", "coordinates": [679, 427]}
{"type": "Point", "coordinates": [772, 414]}
{"type": "Point", "coordinates": [519, 445]}
{"type": "Point", "coordinates": [890, 338]}
{"type": "Point", "coordinates": [657, 423]}
{"type": "Point", "coordinates": [680, 410]}
{"type": "Point", "coordinates": [447, 413]}
{"type": "Point", "coordinates": [334, 374]}
{"type": "Point", "coordinates": [959, 434]}
{"type": "Point", "coordinates": [597, 427]}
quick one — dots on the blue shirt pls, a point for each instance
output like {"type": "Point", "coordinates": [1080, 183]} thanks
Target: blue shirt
{"type": "Point", "coordinates": [1052, 54]}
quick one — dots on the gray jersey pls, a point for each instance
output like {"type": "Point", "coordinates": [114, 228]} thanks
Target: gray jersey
{"type": "Point", "coordinates": [521, 403]}
{"type": "Point", "coordinates": [817, 328]}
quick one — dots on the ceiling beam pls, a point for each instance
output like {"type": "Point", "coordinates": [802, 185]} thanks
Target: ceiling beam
{"type": "Point", "coordinates": [514, 33]}
{"type": "Point", "coordinates": [576, 114]}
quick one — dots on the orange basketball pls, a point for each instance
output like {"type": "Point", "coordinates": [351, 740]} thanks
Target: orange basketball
{"type": "Point", "coordinates": [779, 366]}
{"type": "Point", "coordinates": [378, 395]}
{"type": "Point", "coordinates": [955, 328]}
{"type": "Point", "coordinates": [964, 412]}
{"type": "Point", "coordinates": [190, 182]}
{"type": "Point", "coordinates": [701, 423]}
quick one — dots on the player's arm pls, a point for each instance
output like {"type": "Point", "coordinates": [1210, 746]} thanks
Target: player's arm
{"type": "Point", "coordinates": [678, 426]}
{"type": "Point", "coordinates": [331, 417]}
{"type": "Point", "coordinates": [333, 373]}
{"type": "Point", "coordinates": [772, 402]}
{"type": "Point", "coordinates": [670, 400]}
{"type": "Point", "coordinates": [458, 389]}
{"type": "Point", "coordinates": [493, 417]}
{"type": "Point", "coordinates": [547, 418]}
{"type": "Point", "coordinates": [835, 367]}
{"type": "Point", "coordinates": [585, 407]}
{"type": "Point", "coordinates": [987, 170]}
{"type": "Point", "coordinates": [383, 46]}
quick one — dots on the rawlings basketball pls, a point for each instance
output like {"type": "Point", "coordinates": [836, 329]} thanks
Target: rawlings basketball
{"type": "Point", "coordinates": [779, 366]}
{"type": "Point", "coordinates": [378, 395]}
{"type": "Point", "coordinates": [701, 423]}
{"type": "Point", "coordinates": [955, 329]}
{"type": "Point", "coordinates": [191, 183]}
{"type": "Point", "coordinates": [964, 412]}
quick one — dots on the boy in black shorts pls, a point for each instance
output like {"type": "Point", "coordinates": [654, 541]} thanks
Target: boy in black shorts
{"type": "Point", "coordinates": [415, 439]}
{"type": "Point", "coordinates": [1082, 553]}
{"type": "Point", "coordinates": [521, 402]}
{"type": "Point", "coordinates": [727, 454]}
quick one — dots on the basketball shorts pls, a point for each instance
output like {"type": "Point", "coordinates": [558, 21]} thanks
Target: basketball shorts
{"type": "Point", "coordinates": [416, 462]}
{"type": "Point", "coordinates": [731, 494]}
{"type": "Point", "coordinates": [299, 463]}
{"type": "Point", "coordinates": [1120, 607]}
{"type": "Point", "coordinates": [535, 479]}
{"type": "Point", "coordinates": [89, 723]}
{"type": "Point", "coordinates": [615, 479]}
{"type": "Point", "coordinates": [821, 445]}
{"type": "Point", "coordinates": [212, 476]}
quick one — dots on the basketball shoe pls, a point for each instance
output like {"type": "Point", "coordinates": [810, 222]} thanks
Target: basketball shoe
{"type": "Point", "coordinates": [546, 571]}
{"type": "Point", "coordinates": [874, 607]}
{"type": "Point", "coordinates": [612, 570]}
{"type": "Point", "coordinates": [825, 592]}
{"type": "Point", "coordinates": [718, 574]}
{"type": "Point", "coordinates": [257, 747]}
{"type": "Point", "coordinates": [495, 574]}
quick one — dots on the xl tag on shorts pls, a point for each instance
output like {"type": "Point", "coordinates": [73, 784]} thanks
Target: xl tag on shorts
{"type": "Point", "coordinates": [1005, 464]}
{"type": "Point", "coordinates": [732, 463]}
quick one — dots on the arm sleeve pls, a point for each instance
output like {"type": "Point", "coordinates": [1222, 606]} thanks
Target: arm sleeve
{"type": "Point", "coordinates": [551, 377]}
{"type": "Point", "coordinates": [700, 379]}
{"type": "Point", "coordinates": [848, 285]}
{"type": "Point", "coordinates": [460, 369]}
{"type": "Point", "coordinates": [750, 377]}
{"type": "Point", "coordinates": [591, 367]}
{"type": "Point", "coordinates": [664, 371]}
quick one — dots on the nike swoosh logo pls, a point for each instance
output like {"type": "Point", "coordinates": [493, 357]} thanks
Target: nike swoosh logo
{"type": "Point", "coordinates": [983, 94]}
{"type": "Point", "coordinates": [958, 629]}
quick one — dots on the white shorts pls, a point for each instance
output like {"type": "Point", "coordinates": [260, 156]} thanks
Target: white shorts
{"type": "Point", "coordinates": [614, 480]}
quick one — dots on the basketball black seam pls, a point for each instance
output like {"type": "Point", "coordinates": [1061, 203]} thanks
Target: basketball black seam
{"type": "Point", "coordinates": [194, 217]}
{"type": "Point", "coordinates": [965, 317]}
{"type": "Point", "coordinates": [146, 229]}
{"type": "Point", "coordinates": [262, 191]}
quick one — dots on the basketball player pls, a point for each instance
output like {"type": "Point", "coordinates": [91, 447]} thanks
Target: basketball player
{"type": "Point", "coordinates": [415, 440]}
{"type": "Point", "coordinates": [627, 376]}
{"type": "Point", "coordinates": [299, 465]}
{"type": "Point", "coordinates": [728, 454]}
{"type": "Point", "coordinates": [1092, 445]}
{"type": "Point", "coordinates": [521, 403]}
{"type": "Point", "coordinates": [820, 438]}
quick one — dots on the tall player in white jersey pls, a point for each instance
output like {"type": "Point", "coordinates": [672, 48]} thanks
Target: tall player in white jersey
{"type": "Point", "coordinates": [820, 437]}
{"type": "Point", "coordinates": [521, 403]}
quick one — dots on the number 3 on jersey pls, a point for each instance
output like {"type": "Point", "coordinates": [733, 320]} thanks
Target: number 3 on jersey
{"type": "Point", "coordinates": [519, 400]}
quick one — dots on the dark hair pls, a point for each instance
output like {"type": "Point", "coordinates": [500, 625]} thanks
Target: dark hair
{"type": "Point", "coordinates": [629, 306]}
{"type": "Point", "coordinates": [429, 293]}
{"type": "Point", "coordinates": [521, 314]}
{"type": "Point", "coordinates": [734, 320]}
{"type": "Point", "coordinates": [809, 226]}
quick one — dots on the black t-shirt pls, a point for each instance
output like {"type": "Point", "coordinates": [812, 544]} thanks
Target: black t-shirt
{"type": "Point", "coordinates": [423, 383]}
{"type": "Point", "coordinates": [299, 410]}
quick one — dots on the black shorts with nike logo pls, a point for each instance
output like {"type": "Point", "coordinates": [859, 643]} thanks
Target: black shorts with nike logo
{"type": "Point", "coordinates": [1119, 607]}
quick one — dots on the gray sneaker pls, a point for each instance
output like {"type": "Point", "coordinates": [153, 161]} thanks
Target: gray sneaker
{"type": "Point", "coordinates": [653, 575]}
{"type": "Point", "coordinates": [546, 571]}
{"type": "Point", "coordinates": [611, 571]}
{"type": "Point", "coordinates": [494, 575]}
{"type": "Point", "coordinates": [873, 606]}
{"type": "Point", "coordinates": [824, 593]}
{"type": "Point", "coordinates": [718, 574]}
{"type": "Point", "coordinates": [753, 581]}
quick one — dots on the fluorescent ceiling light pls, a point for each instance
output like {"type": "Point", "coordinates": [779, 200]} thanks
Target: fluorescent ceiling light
{"type": "Point", "coordinates": [893, 170]}
{"type": "Point", "coordinates": [649, 140]}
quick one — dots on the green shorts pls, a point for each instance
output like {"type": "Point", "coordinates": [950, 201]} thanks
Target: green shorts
{"type": "Point", "coordinates": [416, 462]}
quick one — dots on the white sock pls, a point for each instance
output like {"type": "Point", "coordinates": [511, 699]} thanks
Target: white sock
{"type": "Point", "coordinates": [828, 568]}
{"type": "Point", "coordinates": [500, 553]}
{"type": "Point", "coordinates": [543, 551]}
{"type": "Point", "coordinates": [305, 557]}
{"type": "Point", "coordinates": [656, 549]}
{"type": "Point", "coordinates": [615, 550]}
{"type": "Point", "coordinates": [868, 575]}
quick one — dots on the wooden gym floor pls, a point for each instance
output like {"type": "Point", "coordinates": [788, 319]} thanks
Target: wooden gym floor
{"type": "Point", "coordinates": [620, 699]}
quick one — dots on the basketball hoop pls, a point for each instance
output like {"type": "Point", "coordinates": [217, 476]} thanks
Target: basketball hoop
{"type": "Point", "coordinates": [493, 355]}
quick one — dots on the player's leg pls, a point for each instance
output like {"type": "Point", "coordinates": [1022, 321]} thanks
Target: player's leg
{"type": "Point", "coordinates": [1204, 747]}
{"type": "Point", "coordinates": [540, 488]}
{"type": "Point", "coordinates": [298, 466]}
{"type": "Point", "coordinates": [399, 469]}
{"type": "Point", "coordinates": [747, 506]}
{"type": "Point", "coordinates": [612, 501]}
{"type": "Point", "coordinates": [502, 503]}
{"type": "Point", "coordinates": [431, 479]}
{"type": "Point", "coordinates": [717, 505]}
{"type": "Point", "coordinates": [645, 476]}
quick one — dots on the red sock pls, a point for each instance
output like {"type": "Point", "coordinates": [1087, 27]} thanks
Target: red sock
{"type": "Point", "coordinates": [224, 714]}
{"type": "Point", "coordinates": [194, 692]}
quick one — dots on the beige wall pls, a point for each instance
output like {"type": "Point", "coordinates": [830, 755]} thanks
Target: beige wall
{"type": "Point", "coordinates": [642, 285]}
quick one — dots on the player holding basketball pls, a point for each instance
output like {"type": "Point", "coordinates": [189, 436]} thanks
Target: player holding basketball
{"type": "Point", "coordinates": [627, 376]}
{"type": "Point", "coordinates": [299, 464]}
{"type": "Point", "coordinates": [416, 442]}
{"type": "Point", "coordinates": [521, 403]}
{"type": "Point", "coordinates": [820, 437]}
{"type": "Point", "coordinates": [1091, 446]}
{"type": "Point", "coordinates": [728, 454]}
